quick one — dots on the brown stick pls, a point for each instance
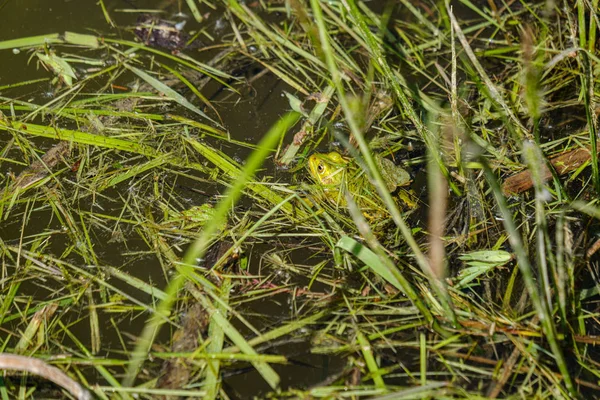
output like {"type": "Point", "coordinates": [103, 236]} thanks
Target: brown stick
{"type": "Point", "coordinates": [563, 164]}
{"type": "Point", "coordinates": [47, 371]}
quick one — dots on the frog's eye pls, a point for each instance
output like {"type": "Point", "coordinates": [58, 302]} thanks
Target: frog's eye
{"type": "Point", "coordinates": [320, 168]}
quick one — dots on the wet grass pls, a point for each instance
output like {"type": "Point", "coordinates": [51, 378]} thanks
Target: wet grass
{"type": "Point", "coordinates": [144, 257]}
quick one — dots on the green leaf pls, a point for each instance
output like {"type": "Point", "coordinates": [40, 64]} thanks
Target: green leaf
{"type": "Point", "coordinates": [295, 104]}
{"type": "Point", "coordinates": [370, 259]}
{"type": "Point", "coordinates": [59, 66]}
{"type": "Point", "coordinates": [479, 263]}
{"type": "Point", "coordinates": [167, 91]}
{"type": "Point", "coordinates": [496, 257]}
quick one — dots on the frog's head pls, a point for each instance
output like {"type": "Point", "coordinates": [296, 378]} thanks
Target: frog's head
{"type": "Point", "coordinates": [327, 168]}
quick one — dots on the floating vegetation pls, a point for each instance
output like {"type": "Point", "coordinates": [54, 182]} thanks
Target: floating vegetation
{"type": "Point", "coordinates": [303, 199]}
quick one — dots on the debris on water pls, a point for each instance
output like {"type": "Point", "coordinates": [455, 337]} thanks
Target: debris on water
{"type": "Point", "coordinates": [156, 32]}
{"type": "Point", "coordinates": [177, 372]}
{"type": "Point", "coordinates": [39, 169]}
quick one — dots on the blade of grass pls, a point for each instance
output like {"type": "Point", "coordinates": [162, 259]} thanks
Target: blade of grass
{"type": "Point", "coordinates": [31, 41]}
{"type": "Point", "coordinates": [136, 283]}
{"type": "Point", "coordinates": [387, 271]}
{"type": "Point", "coordinates": [89, 41]}
{"type": "Point", "coordinates": [107, 17]}
{"type": "Point", "coordinates": [95, 333]}
{"type": "Point", "coordinates": [78, 137]}
{"type": "Point", "coordinates": [283, 330]}
{"type": "Point", "coordinates": [194, 9]}
{"type": "Point", "coordinates": [135, 170]}
{"type": "Point", "coordinates": [231, 168]}
{"type": "Point", "coordinates": [478, 9]}
{"type": "Point", "coordinates": [308, 126]}
{"type": "Point", "coordinates": [216, 332]}
{"type": "Point", "coordinates": [423, 358]}
{"type": "Point", "coordinates": [375, 372]}
{"type": "Point", "coordinates": [193, 88]}
{"type": "Point", "coordinates": [167, 91]}
{"type": "Point", "coordinates": [24, 83]}
{"type": "Point", "coordinates": [35, 326]}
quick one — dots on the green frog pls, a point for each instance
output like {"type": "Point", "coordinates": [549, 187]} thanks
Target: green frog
{"type": "Point", "coordinates": [336, 174]}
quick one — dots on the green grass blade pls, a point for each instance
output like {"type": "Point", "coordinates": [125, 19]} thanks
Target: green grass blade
{"type": "Point", "coordinates": [375, 372]}
{"type": "Point", "coordinates": [135, 170]}
{"type": "Point", "coordinates": [170, 93]}
{"type": "Point", "coordinates": [31, 41]}
{"type": "Point", "coordinates": [231, 168]}
{"type": "Point", "coordinates": [192, 88]}
{"type": "Point", "coordinates": [283, 330]}
{"type": "Point", "coordinates": [136, 283]}
{"type": "Point", "coordinates": [89, 41]}
{"type": "Point", "coordinates": [371, 260]}
{"type": "Point", "coordinates": [216, 333]}
{"type": "Point", "coordinates": [78, 137]}
{"type": "Point", "coordinates": [308, 126]}
{"type": "Point", "coordinates": [194, 9]}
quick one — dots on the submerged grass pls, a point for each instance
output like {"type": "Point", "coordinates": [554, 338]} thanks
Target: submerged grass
{"type": "Point", "coordinates": [115, 239]}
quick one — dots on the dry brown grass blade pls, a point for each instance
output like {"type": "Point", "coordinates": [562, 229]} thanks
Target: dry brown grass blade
{"type": "Point", "coordinates": [46, 371]}
{"type": "Point", "coordinates": [40, 168]}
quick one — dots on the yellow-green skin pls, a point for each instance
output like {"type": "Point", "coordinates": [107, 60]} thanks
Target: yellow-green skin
{"type": "Point", "coordinates": [336, 174]}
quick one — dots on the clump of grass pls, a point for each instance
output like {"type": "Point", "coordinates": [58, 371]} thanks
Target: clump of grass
{"type": "Point", "coordinates": [485, 298]}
